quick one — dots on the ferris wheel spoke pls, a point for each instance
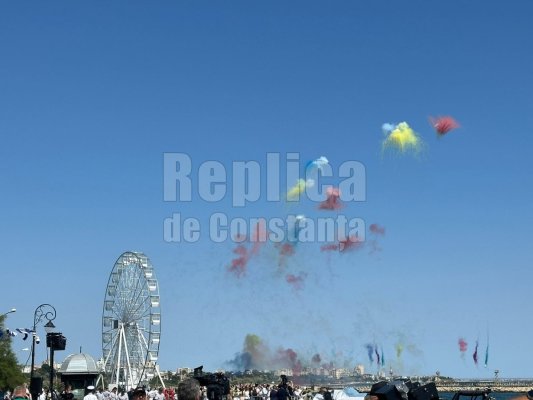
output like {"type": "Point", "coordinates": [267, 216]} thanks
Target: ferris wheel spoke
{"type": "Point", "coordinates": [146, 308]}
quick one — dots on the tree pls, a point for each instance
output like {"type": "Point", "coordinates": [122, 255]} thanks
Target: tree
{"type": "Point", "coordinates": [10, 372]}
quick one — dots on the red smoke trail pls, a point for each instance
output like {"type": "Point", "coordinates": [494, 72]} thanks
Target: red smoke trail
{"type": "Point", "coordinates": [332, 201]}
{"type": "Point", "coordinates": [329, 247]}
{"type": "Point", "coordinates": [286, 250]}
{"type": "Point", "coordinates": [352, 243]}
{"type": "Point", "coordinates": [289, 359]}
{"type": "Point", "coordinates": [443, 125]}
{"type": "Point", "coordinates": [463, 346]}
{"type": "Point", "coordinates": [377, 229]}
{"type": "Point", "coordinates": [238, 265]}
{"type": "Point", "coordinates": [296, 281]}
{"type": "Point", "coordinates": [258, 238]}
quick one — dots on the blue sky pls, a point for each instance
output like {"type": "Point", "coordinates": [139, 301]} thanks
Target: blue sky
{"type": "Point", "coordinates": [93, 94]}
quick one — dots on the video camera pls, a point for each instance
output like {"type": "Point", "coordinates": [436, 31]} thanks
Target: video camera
{"type": "Point", "coordinates": [218, 386]}
{"type": "Point", "coordinates": [404, 389]}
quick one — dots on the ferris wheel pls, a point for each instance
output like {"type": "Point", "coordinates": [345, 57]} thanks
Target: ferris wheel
{"type": "Point", "coordinates": [131, 321]}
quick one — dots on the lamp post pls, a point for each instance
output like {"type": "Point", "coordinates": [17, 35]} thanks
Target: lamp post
{"type": "Point", "coordinates": [50, 332]}
{"type": "Point", "coordinates": [9, 312]}
{"type": "Point", "coordinates": [56, 341]}
{"type": "Point", "coordinates": [43, 311]}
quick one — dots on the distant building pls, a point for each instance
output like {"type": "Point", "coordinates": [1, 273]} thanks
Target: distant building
{"type": "Point", "coordinates": [359, 370]}
{"type": "Point", "coordinates": [183, 372]}
{"type": "Point", "coordinates": [284, 371]}
{"type": "Point", "coordinates": [338, 373]}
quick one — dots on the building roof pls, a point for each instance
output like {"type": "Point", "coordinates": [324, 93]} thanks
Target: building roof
{"type": "Point", "coordinates": [80, 363]}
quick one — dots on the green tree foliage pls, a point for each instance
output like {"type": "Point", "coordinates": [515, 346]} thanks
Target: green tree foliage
{"type": "Point", "coordinates": [10, 372]}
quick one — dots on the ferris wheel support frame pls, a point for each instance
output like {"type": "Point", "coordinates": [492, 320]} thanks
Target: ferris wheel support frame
{"type": "Point", "coordinates": [127, 357]}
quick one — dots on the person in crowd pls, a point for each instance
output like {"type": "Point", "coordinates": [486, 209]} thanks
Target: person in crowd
{"type": "Point", "coordinates": [139, 394]}
{"type": "Point", "coordinates": [273, 393]}
{"type": "Point", "coordinates": [189, 389]}
{"type": "Point", "coordinates": [20, 392]}
{"type": "Point", "coordinates": [67, 394]}
{"type": "Point", "coordinates": [90, 393]}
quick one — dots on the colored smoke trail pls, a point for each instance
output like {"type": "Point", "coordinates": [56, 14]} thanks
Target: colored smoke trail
{"type": "Point", "coordinates": [238, 265]}
{"type": "Point", "coordinates": [463, 346]}
{"type": "Point", "coordinates": [344, 245]}
{"type": "Point", "coordinates": [258, 238]}
{"type": "Point", "coordinates": [332, 201]}
{"type": "Point", "coordinates": [256, 354]}
{"type": "Point", "coordinates": [401, 139]}
{"type": "Point", "coordinates": [370, 351]}
{"type": "Point", "coordinates": [296, 281]}
{"type": "Point", "coordinates": [443, 125]}
{"type": "Point", "coordinates": [349, 244]}
{"type": "Point", "coordinates": [399, 349]}
{"type": "Point", "coordinates": [377, 229]}
{"type": "Point", "coordinates": [289, 359]}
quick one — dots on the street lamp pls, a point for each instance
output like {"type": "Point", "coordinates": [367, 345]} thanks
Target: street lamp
{"type": "Point", "coordinates": [9, 312]}
{"type": "Point", "coordinates": [43, 311]}
{"type": "Point", "coordinates": [49, 327]}
{"type": "Point", "coordinates": [50, 342]}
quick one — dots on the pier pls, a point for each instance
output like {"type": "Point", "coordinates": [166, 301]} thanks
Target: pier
{"type": "Point", "coordinates": [453, 385]}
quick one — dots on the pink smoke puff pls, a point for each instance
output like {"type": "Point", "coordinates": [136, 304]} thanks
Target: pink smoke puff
{"type": "Point", "coordinates": [377, 229]}
{"type": "Point", "coordinates": [332, 201]}
{"type": "Point", "coordinates": [286, 250]}
{"type": "Point", "coordinates": [347, 244]}
{"type": "Point", "coordinates": [238, 265]}
{"type": "Point", "coordinates": [329, 247]}
{"type": "Point", "coordinates": [443, 125]}
{"type": "Point", "coordinates": [296, 281]}
{"type": "Point", "coordinates": [351, 243]}
{"type": "Point", "coordinates": [463, 345]}
{"type": "Point", "coordinates": [259, 237]}
{"type": "Point", "coordinates": [289, 359]}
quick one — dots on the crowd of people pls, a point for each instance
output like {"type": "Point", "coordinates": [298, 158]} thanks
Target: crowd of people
{"type": "Point", "coordinates": [189, 389]}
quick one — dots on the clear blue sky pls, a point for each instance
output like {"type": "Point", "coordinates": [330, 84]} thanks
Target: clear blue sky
{"type": "Point", "coordinates": [93, 93]}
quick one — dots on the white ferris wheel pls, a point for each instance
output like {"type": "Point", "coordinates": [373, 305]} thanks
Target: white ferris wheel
{"type": "Point", "coordinates": [131, 322]}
